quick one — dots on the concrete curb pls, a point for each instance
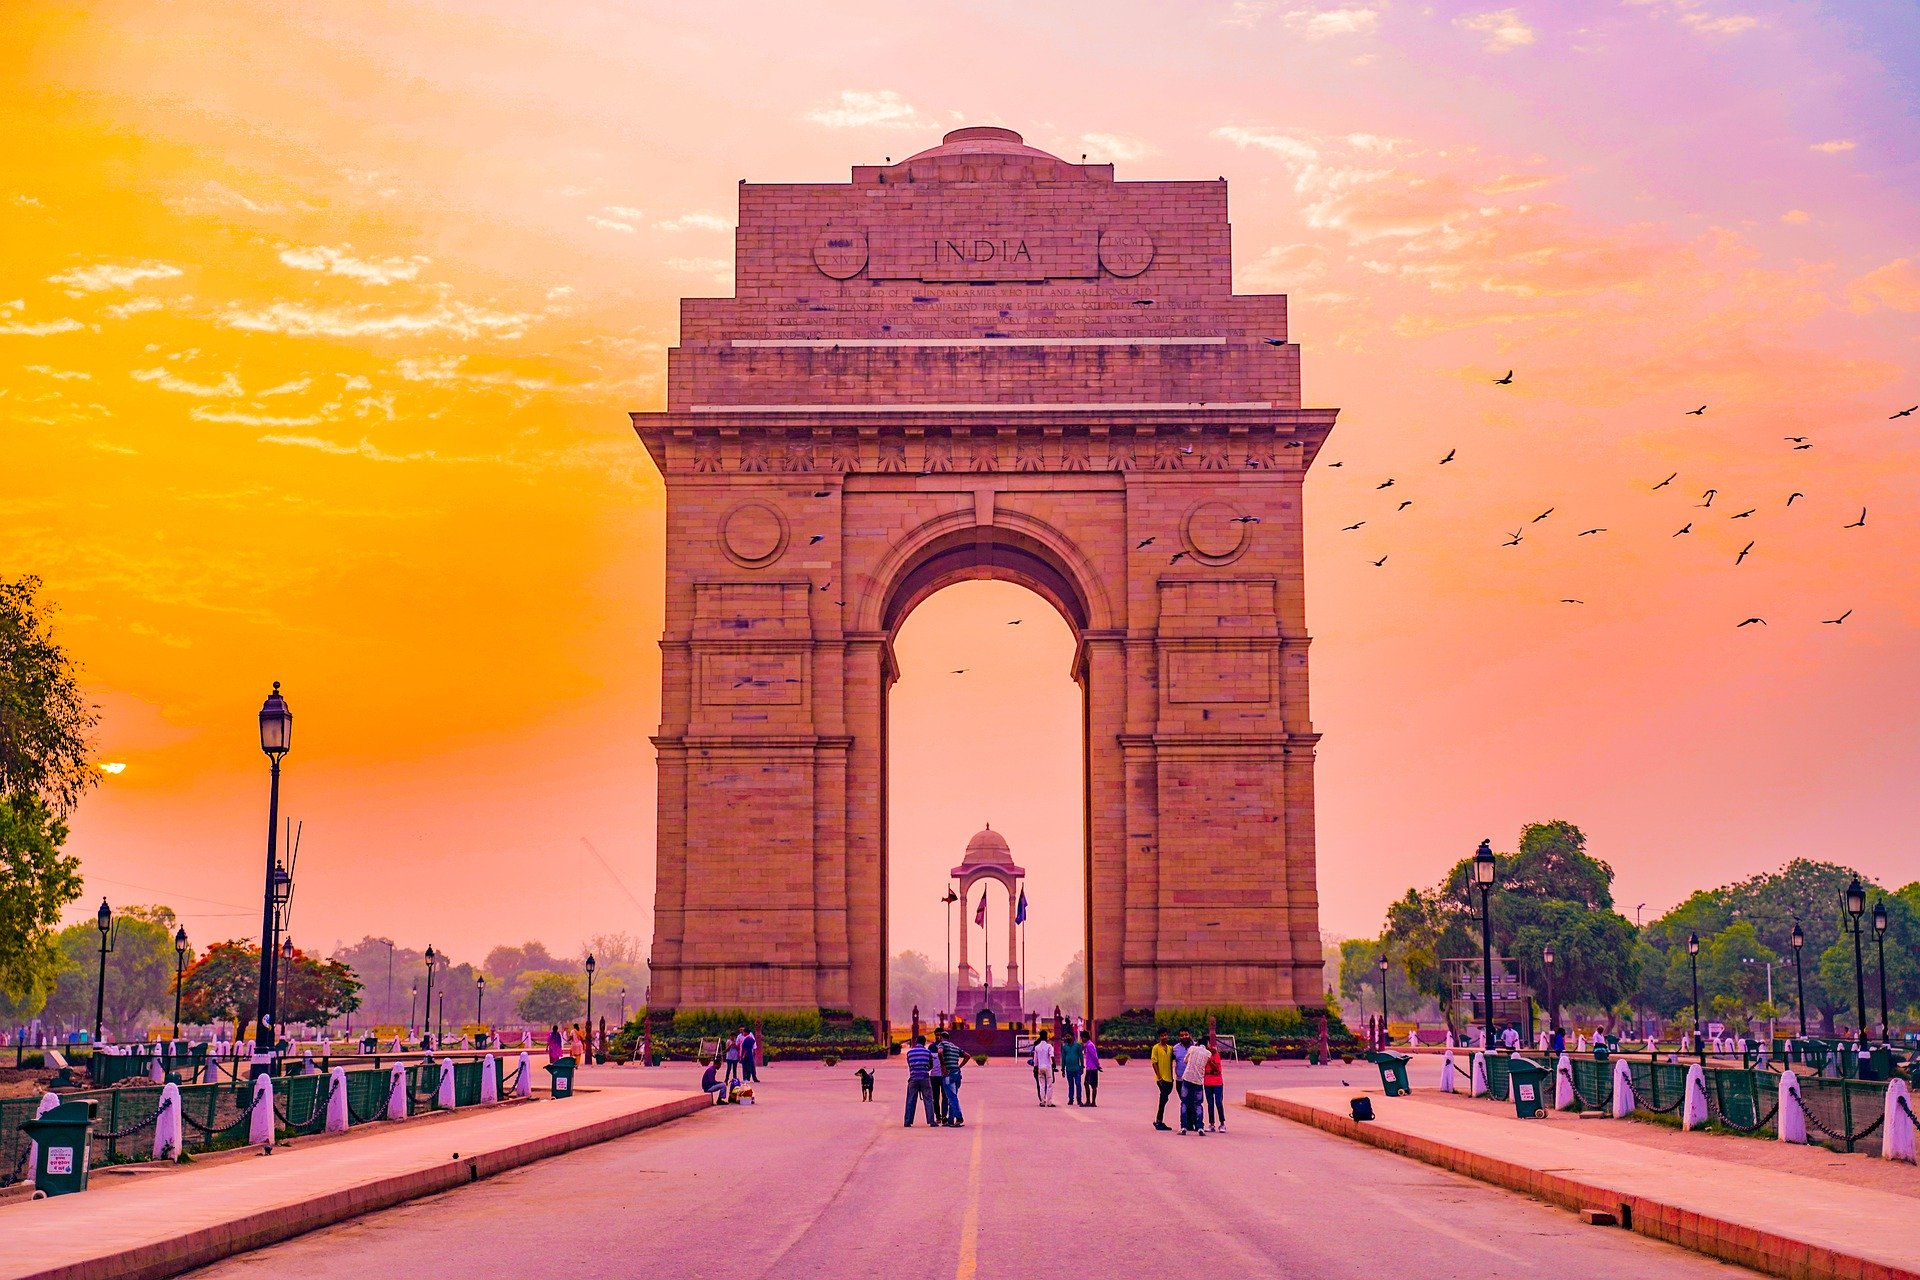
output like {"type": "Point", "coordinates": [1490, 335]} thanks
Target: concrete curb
{"type": "Point", "coordinates": [162, 1258]}
{"type": "Point", "coordinates": [1728, 1241]}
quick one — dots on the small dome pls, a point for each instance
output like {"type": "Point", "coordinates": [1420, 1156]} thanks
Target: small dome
{"type": "Point", "coordinates": [988, 846]}
{"type": "Point", "coordinates": [982, 139]}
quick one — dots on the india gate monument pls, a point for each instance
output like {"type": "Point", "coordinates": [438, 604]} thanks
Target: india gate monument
{"type": "Point", "coordinates": [984, 362]}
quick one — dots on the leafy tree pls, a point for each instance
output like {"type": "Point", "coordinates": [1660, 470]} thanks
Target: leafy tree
{"type": "Point", "coordinates": [223, 985]}
{"type": "Point", "coordinates": [386, 972]}
{"type": "Point", "coordinates": [315, 991]}
{"type": "Point", "coordinates": [1069, 990]}
{"type": "Point", "coordinates": [914, 979]}
{"type": "Point", "coordinates": [139, 971]}
{"type": "Point", "coordinates": [1903, 974]}
{"type": "Point", "coordinates": [551, 997]}
{"type": "Point", "coordinates": [44, 770]}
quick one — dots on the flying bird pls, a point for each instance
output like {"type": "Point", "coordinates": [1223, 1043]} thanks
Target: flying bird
{"type": "Point", "coordinates": [1743, 515]}
{"type": "Point", "coordinates": [1743, 553]}
{"type": "Point", "coordinates": [1861, 523]}
{"type": "Point", "coordinates": [1669, 480]}
{"type": "Point", "coordinates": [1275, 342]}
{"type": "Point", "coordinates": [1792, 496]}
{"type": "Point", "coordinates": [1694, 413]}
{"type": "Point", "coordinates": [1686, 528]}
{"type": "Point", "coordinates": [1514, 539]}
{"type": "Point", "coordinates": [1336, 464]}
{"type": "Point", "coordinates": [1246, 519]}
{"type": "Point", "coordinates": [1571, 600]}
{"type": "Point", "coordinates": [1178, 556]}
{"type": "Point", "coordinates": [1350, 528]}
{"type": "Point", "coordinates": [818, 537]}
{"type": "Point", "coordinates": [1143, 302]}
{"type": "Point", "coordinates": [1903, 413]}
{"type": "Point", "coordinates": [1403, 506]}
{"type": "Point", "coordinates": [1834, 622]}
{"type": "Point", "coordinates": [1016, 622]}
{"type": "Point", "coordinates": [1543, 515]}
{"type": "Point", "coordinates": [1799, 447]}
{"type": "Point", "coordinates": [823, 493]}
{"type": "Point", "coordinates": [1388, 484]}
{"type": "Point", "coordinates": [1795, 439]}
{"type": "Point", "coordinates": [1377, 563]}
{"type": "Point", "coordinates": [1449, 458]}
{"type": "Point", "coordinates": [1501, 382]}
{"type": "Point", "coordinates": [1709, 495]}
{"type": "Point", "coordinates": [1750, 621]}
{"type": "Point", "coordinates": [1144, 542]}
{"type": "Point", "coordinates": [1587, 532]}
{"type": "Point", "coordinates": [960, 671]}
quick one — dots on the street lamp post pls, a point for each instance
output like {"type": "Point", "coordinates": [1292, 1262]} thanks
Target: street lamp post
{"type": "Point", "coordinates": [479, 999]}
{"type": "Point", "coordinates": [276, 739]}
{"type": "Point", "coordinates": [1799, 941]}
{"type": "Point", "coordinates": [949, 900]}
{"type": "Point", "coordinates": [1484, 870]}
{"type": "Point", "coordinates": [413, 1005]}
{"type": "Point", "coordinates": [1383, 1000]}
{"type": "Point", "coordinates": [1880, 945]}
{"type": "Point", "coordinates": [1546, 955]}
{"type": "Point", "coordinates": [440, 1035]}
{"type": "Point", "coordinates": [104, 919]}
{"type": "Point", "coordinates": [1693, 964]}
{"type": "Point", "coordinates": [1857, 903]}
{"type": "Point", "coordinates": [283, 978]}
{"type": "Point", "coordinates": [427, 1010]}
{"type": "Point", "coordinates": [179, 972]}
{"type": "Point", "coordinates": [623, 1006]}
{"type": "Point", "coordinates": [591, 966]}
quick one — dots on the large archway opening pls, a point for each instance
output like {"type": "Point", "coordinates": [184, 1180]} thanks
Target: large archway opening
{"type": "Point", "coordinates": [985, 727]}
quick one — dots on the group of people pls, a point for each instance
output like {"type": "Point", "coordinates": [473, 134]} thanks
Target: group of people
{"type": "Point", "coordinates": [934, 1078]}
{"type": "Point", "coordinates": [1195, 1070]}
{"type": "Point", "coordinates": [736, 1064]}
{"type": "Point", "coordinates": [572, 1043]}
{"type": "Point", "coordinates": [1076, 1059]}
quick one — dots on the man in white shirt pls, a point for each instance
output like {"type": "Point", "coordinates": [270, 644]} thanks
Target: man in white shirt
{"type": "Point", "coordinates": [1043, 1069]}
{"type": "Point", "coordinates": [1193, 1076]}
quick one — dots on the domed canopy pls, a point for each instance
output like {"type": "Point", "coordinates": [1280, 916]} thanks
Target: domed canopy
{"type": "Point", "coordinates": [981, 139]}
{"type": "Point", "coordinates": [988, 851]}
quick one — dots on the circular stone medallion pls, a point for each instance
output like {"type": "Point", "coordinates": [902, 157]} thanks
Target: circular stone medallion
{"type": "Point", "coordinates": [753, 535]}
{"type": "Point", "coordinates": [841, 252]}
{"type": "Point", "coordinates": [1213, 533]}
{"type": "Point", "coordinates": [1126, 251]}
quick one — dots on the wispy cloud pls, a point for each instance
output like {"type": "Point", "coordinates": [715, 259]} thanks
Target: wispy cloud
{"type": "Point", "coordinates": [608, 224]}
{"type": "Point", "coordinates": [1796, 216]}
{"type": "Point", "coordinates": [287, 388]}
{"type": "Point", "coordinates": [166, 380]}
{"type": "Point", "coordinates": [1834, 146]}
{"type": "Point", "coordinates": [364, 449]}
{"type": "Point", "coordinates": [38, 328]}
{"type": "Point", "coordinates": [1895, 286]}
{"type": "Point", "coordinates": [111, 275]}
{"type": "Point", "coordinates": [1504, 29]}
{"type": "Point", "coordinates": [203, 414]}
{"type": "Point", "coordinates": [698, 220]}
{"type": "Point", "coordinates": [1247, 13]}
{"type": "Point", "coordinates": [61, 375]}
{"type": "Point", "coordinates": [451, 369]}
{"type": "Point", "coordinates": [1324, 24]}
{"type": "Point", "coordinates": [340, 261]}
{"type": "Point", "coordinates": [862, 108]}
{"type": "Point", "coordinates": [1694, 15]}
{"type": "Point", "coordinates": [134, 306]}
{"type": "Point", "coordinates": [458, 319]}
{"type": "Point", "coordinates": [1115, 146]}
{"type": "Point", "coordinates": [718, 268]}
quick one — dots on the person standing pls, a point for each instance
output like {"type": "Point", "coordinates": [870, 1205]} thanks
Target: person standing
{"type": "Point", "coordinates": [1073, 1061]}
{"type": "Point", "coordinates": [1090, 1056]}
{"type": "Point", "coordinates": [1193, 1074]}
{"type": "Point", "coordinates": [731, 1049]}
{"type": "Point", "coordinates": [1043, 1069]}
{"type": "Point", "coordinates": [554, 1046]}
{"type": "Point", "coordinates": [749, 1055]}
{"type": "Point", "coordinates": [1162, 1057]}
{"type": "Point", "coordinates": [937, 1082]}
{"type": "Point", "coordinates": [1215, 1084]}
{"type": "Point", "coordinates": [919, 1065]}
{"type": "Point", "coordinates": [954, 1059]}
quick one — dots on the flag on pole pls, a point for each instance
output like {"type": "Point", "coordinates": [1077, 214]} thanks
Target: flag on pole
{"type": "Point", "coordinates": [980, 916]}
{"type": "Point", "coordinates": [1020, 915]}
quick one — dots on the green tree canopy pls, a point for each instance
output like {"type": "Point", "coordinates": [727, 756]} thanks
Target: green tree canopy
{"type": "Point", "coordinates": [549, 997]}
{"type": "Point", "coordinates": [139, 971]}
{"type": "Point", "coordinates": [36, 881]}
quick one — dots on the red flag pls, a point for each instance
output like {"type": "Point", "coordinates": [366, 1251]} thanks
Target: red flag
{"type": "Point", "coordinates": [980, 916]}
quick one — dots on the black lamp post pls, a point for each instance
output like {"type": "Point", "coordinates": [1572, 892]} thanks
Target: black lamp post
{"type": "Point", "coordinates": [430, 958]}
{"type": "Point", "coordinates": [1856, 904]}
{"type": "Point", "coordinates": [179, 972]}
{"type": "Point", "coordinates": [623, 1006]}
{"type": "Point", "coordinates": [1484, 870]}
{"type": "Point", "coordinates": [591, 966]}
{"type": "Point", "coordinates": [440, 1036]}
{"type": "Point", "coordinates": [103, 918]}
{"type": "Point", "coordinates": [1799, 941]}
{"type": "Point", "coordinates": [283, 979]}
{"type": "Point", "coordinates": [413, 1006]}
{"type": "Point", "coordinates": [1880, 945]}
{"type": "Point", "coordinates": [1383, 1000]}
{"type": "Point", "coordinates": [276, 739]}
{"type": "Point", "coordinates": [479, 999]}
{"type": "Point", "coordinates": [1546, 955]}
{"type": "Point", "coordinates": [1693, 963]}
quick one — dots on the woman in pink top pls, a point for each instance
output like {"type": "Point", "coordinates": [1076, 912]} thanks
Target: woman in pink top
{"type": "Point", "coordinates": [1215, 1085]}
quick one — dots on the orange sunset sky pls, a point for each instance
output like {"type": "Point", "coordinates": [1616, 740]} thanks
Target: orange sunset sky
{"type": "Point", "coordinates": [319, 326]}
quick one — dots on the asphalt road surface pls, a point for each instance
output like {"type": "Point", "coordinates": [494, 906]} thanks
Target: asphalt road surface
{"type": "Point", "coordinates": [813, 1182]}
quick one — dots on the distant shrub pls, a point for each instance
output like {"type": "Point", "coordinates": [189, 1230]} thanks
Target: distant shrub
{"type": "Point", "coordinates": [830, 1061]}
{"type": "Point", "coordinates": [980, 1059]}
{"type": "Point", "coordinates": [1121, 1059]}
{"type": "Point", "coordinates": [777, 1024]}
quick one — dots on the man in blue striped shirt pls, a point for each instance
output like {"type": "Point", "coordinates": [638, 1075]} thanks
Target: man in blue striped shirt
{"type": "Point", "coordinates": [919, 1079]}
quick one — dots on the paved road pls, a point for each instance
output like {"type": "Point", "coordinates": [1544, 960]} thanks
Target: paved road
{"type": "Point", "coordinates": [814, 1183]}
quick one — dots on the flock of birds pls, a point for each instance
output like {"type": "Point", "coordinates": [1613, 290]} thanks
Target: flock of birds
{"type": "Point", "coordinates": [1518, 537]}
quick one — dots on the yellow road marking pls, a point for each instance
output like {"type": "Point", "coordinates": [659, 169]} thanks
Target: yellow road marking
{"type": "Point", "coordinates": [970, 1220]}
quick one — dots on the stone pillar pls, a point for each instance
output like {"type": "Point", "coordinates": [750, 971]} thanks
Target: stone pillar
{"type": "Point", "coordinates": [1013, 939]}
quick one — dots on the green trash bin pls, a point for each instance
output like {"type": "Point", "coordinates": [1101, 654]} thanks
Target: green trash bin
{"type": "Point", "coordinates": [1526, 1082]}
{"type": "Point", "coordinates": [1393, 1071]}
{"type": "Point", "coordinates": [65, 1138]}
{"type": "Point", "coordinates": [561, 1071]}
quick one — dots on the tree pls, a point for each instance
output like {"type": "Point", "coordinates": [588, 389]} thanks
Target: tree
{"type": "Point", "coordinates": [914, 980]}
{"type": "Point", "coordinates": [44, 770]}
{"type": "Point", "coordinates": [386, 973]}
{"type": "Point", "coordinates": [551, 997]}
{"type": "Point", "coordinates": [139, 971]}
{"type": "Point", "coordinates": [315, 991]}
{"type": "Point", "coordinates": [223, 985]}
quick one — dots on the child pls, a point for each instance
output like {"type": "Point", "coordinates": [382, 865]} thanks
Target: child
{"type": "Point", "coordinates": [866, 1083]}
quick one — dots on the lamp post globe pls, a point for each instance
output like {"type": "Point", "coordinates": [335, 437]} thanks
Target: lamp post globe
{"type": "Point", "coordinates": [591, 965]}
{"type": "Point", "coordinates": [104, 919]}
{"type": "Point", "coordinates": [1693, 965]}
{"type": "Point", "coordinates": [1484, 870]}
{"type": "Point", "coordinates": [1880, 947]}
{"type": "Point", "coordinates": [276, 739]}
{"type": "Point", "coordinates": [1798, 940]}
{"type": "Point", "coordinates": [179, 972]}
{"type": "Point", "coordinates": [1857, 903]}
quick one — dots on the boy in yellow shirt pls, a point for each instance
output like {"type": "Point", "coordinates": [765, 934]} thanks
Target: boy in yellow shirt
{"type": "Point", "coordinates": [1162, 1055]}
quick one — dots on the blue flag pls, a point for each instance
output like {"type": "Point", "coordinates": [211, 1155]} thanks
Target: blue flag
{"type": "Point", "coordinates": [1020, 916]}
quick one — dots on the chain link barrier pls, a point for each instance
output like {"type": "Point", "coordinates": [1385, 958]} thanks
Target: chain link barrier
{"type": "Point", "coordinates": [114, 1135]}
{"type": "Point", "coordinates": [1573, 1082]}
{"type": "Point", "coordinates": [313, 1109]}
{"type": "Point", "coordinates": [246, 1113]}
{"type": "Point", "coordinates": [354, 1117]}
{"type": "Point", "coordinates": [1848, 1138]}
{"type": "Point", "coordinates": [1760, 1122]}
{"type": "Point", "coordinates": [1640, 1097]}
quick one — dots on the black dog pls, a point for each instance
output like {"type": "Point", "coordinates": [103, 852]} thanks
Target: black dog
{"type": "Point", "coordinates": [866, 1083]}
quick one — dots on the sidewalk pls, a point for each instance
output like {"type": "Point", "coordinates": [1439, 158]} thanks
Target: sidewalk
{"type": "Point", "coordinates": [1784, 1224]}
{"type": "Point", "coordinates": [172, 1222]}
